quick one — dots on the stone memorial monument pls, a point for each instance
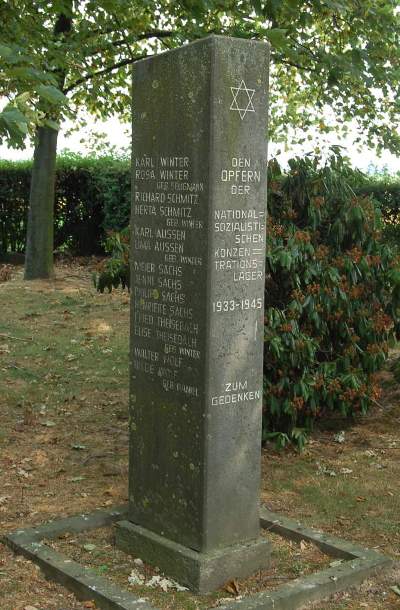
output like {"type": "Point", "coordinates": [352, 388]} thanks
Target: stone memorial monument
{"type": "Point", "coordinates": [198, 249]}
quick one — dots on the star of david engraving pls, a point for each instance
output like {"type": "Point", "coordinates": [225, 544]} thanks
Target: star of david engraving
{"type": "Point", "coordinates": [242, 99]}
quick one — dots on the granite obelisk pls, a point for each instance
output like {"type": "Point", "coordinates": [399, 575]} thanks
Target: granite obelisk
{"type": "Point", "coordinates": [197, 261]}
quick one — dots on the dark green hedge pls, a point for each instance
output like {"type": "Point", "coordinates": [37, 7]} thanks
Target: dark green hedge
{"type": "Point", "coordinates": [14, 194]}
{"type": "Point", "coordinates": [92, 197]}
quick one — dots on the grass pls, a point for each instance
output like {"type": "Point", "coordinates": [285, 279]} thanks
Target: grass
{"type": "Point", "coordinates": [64, 441]}
{"type": "Point", "coordinates": [330, 485]}
{"type": "Point", "coordinates": [350, 489]}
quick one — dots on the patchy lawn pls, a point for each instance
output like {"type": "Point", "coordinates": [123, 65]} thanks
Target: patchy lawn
{"type": "Point", "coordinates": [347, 482]}
{"type": "Point", "coordinates": [64, 440]}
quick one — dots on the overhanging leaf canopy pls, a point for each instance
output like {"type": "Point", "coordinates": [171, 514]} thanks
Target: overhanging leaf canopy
{"type": "Point", "coordinates": [336, 54]}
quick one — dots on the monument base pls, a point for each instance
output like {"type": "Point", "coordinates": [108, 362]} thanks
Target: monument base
{"type": "Point", "coordinates": [200, 572]}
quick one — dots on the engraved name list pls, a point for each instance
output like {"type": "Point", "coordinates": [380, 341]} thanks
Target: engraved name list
{"type": "Point", "coordinates": [167, 218]}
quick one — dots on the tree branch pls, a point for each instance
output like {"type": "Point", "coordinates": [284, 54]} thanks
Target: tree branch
{"type": "Point", "coordinates": [156, 34]}
{"type": "Point", "coordinates": [145, 36]}
{"type": "Point", "coordinates": [118, 43]}
{"type": "Point", "coordinates": [119, 64]}
{"type": "Point", "coordinates": [131, 60]}
{"type": "Point", "coordinates": [124, 40]}
{"type": "Point", "coordinates": [296, 65]}
{"type": "Point", "coordinates": [307, 49]}
{"type": "Point", "coordinates": [125, 62]}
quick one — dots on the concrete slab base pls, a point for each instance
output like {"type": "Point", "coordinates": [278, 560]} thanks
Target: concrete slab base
{"type": "Point", "coordinates": [357, 564]}
{"type": "Point", "coordinates": [200, 572]}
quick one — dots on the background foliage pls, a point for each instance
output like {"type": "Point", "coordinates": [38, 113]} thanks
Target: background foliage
{"type": "Point", "coordinates": [334, 65]}
{"type": "Point", "coordinates": [92, 196]}
{"type": "Point", "coordinates": [332, 273]}
{"type": "Point", "coordinates": [385, 190]}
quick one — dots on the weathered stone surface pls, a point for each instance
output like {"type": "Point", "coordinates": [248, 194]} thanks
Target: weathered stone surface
{"type": "Point", "coordinates": [303, 591]}
{"type": "Point", "coordinates": [335, 547]}
{"type": "Point", "coordinates": [201, 572]}
{"type": "Point", "coordinates": [198, 249]}
{"type": "Point", "coordinates": [77, 523]}
{"type": "Point", "coordinates": [85, 583]}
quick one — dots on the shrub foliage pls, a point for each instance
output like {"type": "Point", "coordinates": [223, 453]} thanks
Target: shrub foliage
{"type": "Point", "coordinates": [385, 190]}
{"type": "Point", "coordinates": [332, 288]}
{"type": "Point", "coordinates": [14, 200]}
{"type": "Point", "coordinates": [114, 271]}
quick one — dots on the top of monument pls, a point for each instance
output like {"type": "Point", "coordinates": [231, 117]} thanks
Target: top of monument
{"type": "Point", "coordinates": [211, 38]}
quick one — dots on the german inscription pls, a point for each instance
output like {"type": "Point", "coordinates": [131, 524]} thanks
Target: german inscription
{"type": "Point", "coordinates": [166, 204]}
{"type": "Point", "coordinates": [165, 191]}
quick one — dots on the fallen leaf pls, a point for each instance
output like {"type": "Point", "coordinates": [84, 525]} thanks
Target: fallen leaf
{"type": "Point", "coordinates": [64, 536]}
{"type": "Point", "coordinates": [22, 473]}
{"type": "Point", "coordinates": [340, 437]}
{"type": "Point", "coordinates": [136, 578]}
{"type": "Point", "coordinates": [232, 587]}
{"type": "Point", "coordinates": [396, 590]}
{"type": "Point", "coordinates": [111, 491]}
{"type": "Point", "coordinates": [48, 424]}
{"type": "Point", "coordinates": [29, 416]}
{"type": "Point", "coordinates": [40, 457]}
{"type": "Point", "coordinates": [89, 605]}
{"type": "Point", "coordinates": [89, 547]}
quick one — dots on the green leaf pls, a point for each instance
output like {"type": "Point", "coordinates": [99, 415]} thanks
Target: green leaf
{"type": "Point", "coordinates": [5, 52]}
{"type": "Point", "coordinates": [53, 124]}
{"type": "Point", "coordinates": [277, 37]}
{"type": "Point", "coordinates": [89, 547]}
{"type": "Point", "coordinates": [12, 115]}
{"type": "Point", "coordinates": [52, 94]}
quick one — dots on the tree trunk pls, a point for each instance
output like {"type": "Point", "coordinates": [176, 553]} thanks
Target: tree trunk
{"type": "Point", "coordinates": [40, 233]}
{"type": "Point", "coordinates": [40, 230]}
